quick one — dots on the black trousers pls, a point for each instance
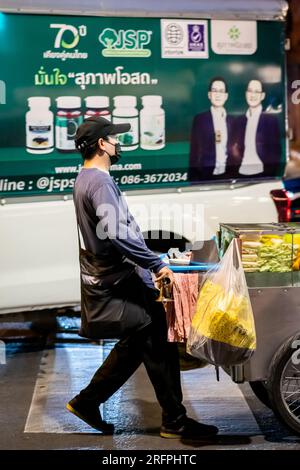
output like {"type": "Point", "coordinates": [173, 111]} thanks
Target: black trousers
{"type": "Point", "coordinates": [150, 347]}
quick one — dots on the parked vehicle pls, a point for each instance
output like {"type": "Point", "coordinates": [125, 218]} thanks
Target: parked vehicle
{"type": "Point", "coordinates": [38, 165]}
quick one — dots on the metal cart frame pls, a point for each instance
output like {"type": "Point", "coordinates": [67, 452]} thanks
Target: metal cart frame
{"type": "Point", "coordinates": [273, 371]}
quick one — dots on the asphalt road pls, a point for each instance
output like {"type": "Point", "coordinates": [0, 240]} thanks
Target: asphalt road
{"type": "Point", "coordinates": [39, 378]}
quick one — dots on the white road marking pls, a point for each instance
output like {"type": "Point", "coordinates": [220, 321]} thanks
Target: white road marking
{"type": "Point", "coordinates": [64, 371]}
{"type": "Point", "coordinates": [219, 403]}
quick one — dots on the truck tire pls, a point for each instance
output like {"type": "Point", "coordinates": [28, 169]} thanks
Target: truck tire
{"type": "Point", "coordinates": [259, 388]}
{"type": "Point", "coordinates": [284, 384]}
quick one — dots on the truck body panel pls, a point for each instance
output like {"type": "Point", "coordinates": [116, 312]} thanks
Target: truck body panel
{"type": "Point", "coordinates": [38, 237]}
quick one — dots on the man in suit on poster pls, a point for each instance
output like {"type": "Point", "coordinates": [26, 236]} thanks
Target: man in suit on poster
{"type": "Point", "coordinates": [255, 148]}
{"type": "Point", "coordinates": [209, 136]}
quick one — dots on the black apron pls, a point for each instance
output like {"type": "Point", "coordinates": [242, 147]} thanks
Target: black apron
{"type": "Point", "coordinates": [113, 299]}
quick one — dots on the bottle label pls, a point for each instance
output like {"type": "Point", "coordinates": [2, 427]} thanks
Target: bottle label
{"type": "Point", "coordinates": [92, 113]}
{"type": "Point", "coordinates": [65, 131]}
{"type": "Point", "coordinates": [152, 130]}
{"type": "Point", "coordinates": [129, 140]}
{"type": "Point", "coordinates": [39, 137]}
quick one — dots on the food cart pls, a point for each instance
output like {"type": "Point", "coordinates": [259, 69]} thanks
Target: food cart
{"type": "Point", "coordinates": [273, 371]}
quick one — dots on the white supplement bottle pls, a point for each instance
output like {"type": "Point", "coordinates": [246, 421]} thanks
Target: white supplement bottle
{"type": "Point", "coordinates": [152, 123]}
{"type": "Point", "coordinates": [97, 106]}
{"type": "Point", "coordinates": [125, 111]}
{"type": "Point", "coordinates": [39, 125]}
{"type": "Point", "coordinates": [68, 119]}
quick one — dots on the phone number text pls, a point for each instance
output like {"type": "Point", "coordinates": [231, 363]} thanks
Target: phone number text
{"type": "Point", "coordinates": [152, 178]}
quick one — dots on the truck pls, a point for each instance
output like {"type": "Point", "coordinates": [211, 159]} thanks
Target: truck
{"type": "Point", "coordinates": [153, 64]}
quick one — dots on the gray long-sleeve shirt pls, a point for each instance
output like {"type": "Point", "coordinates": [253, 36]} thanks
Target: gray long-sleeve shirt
{"type": "Point", "coordinates": [108, 228]}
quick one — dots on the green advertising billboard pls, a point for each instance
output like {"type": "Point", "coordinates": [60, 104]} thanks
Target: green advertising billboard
{"type": "Point", "coordinates": [205, 99]}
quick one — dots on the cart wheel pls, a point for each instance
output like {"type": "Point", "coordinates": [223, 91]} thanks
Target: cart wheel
{"type": "Point", "coordinates": [284, 383]}
{"type": "Point", "coordinates": [259, 388]}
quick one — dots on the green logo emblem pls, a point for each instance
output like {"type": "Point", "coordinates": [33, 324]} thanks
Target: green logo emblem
{"type": "Point", "coordinates": [234, 33]}
{"type": "Point", "coordinates": [125, 43]}
{"type": "Point", "coordinates": [74, 35]}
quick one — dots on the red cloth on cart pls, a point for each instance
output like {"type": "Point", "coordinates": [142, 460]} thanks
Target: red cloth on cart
{"type": "Point", "coordinates": [180, 312]}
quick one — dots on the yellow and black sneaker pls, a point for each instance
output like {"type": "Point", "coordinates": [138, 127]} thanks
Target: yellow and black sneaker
{"type": "Point", "coordinates": [187, 428]}
{"type": "Point", "coordinates": [90, 414]}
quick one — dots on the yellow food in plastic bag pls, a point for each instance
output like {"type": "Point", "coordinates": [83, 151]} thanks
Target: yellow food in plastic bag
{"type": "Point", "coordinates": [224, 316]}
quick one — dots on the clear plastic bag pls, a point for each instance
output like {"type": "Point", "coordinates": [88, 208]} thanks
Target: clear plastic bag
{"type": "Point", "coordinates": [223, 330]}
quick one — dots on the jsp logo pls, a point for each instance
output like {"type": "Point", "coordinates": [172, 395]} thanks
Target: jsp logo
{"type": "Point", "coordinates": [125, 43]}
{"type": "Point", "coordinates": [73, 33]}
{"type": "Point", "coordinates": [2, 353]}
{"type": "Point", "coordinates": [2, 92]}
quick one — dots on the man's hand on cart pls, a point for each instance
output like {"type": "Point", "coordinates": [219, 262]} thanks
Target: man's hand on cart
{"type": "Point", "coordinates": [162, 273]}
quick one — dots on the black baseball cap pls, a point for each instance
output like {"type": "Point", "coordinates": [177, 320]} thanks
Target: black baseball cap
{"type": "Point", "coordinates": [93, 128]}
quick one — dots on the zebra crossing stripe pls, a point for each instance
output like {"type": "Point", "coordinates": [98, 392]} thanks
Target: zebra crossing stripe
{"type": "Point", "coordinates": [64, 371]}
